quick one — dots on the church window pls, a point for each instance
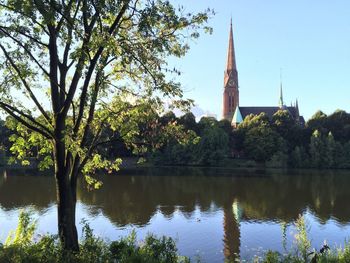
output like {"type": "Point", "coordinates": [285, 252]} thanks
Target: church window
{"type": "Point", "coordinates": [229, 101]}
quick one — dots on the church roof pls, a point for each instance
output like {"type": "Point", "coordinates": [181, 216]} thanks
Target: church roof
{"type": "Point", "coordinates": [237, 117]}
{"type": "Point", "coordinates": [270, 111]}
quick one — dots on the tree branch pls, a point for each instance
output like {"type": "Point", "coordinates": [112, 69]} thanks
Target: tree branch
{"type": "Point", "coordinates": [27, 51]}
{"type": "Point", "coordinates": [12, 111]}
{"type": "Point", "coordinates": [26, 35]}
{"type": "Point", "coordinates": [92, 66]}
{"type": "Point", "coordinates": [26, 85]}
{"type": "Point", "coordinates": [25, 15]}
{"type": "Point", "coordinates": [79, 66]}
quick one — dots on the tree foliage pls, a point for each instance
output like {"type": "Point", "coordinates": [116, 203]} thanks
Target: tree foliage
{"type": "Point", "coordinates": [260, 140]}
{"type": "Point", "coordinates": [70, 69]}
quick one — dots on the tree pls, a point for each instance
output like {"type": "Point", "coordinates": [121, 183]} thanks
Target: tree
{"type": "Point", "coordinates": [205, 123]}
{"type": "Point", "coordinates": [188, 120]}
{"type": "Point", "coordinates": [287, 128]}
{"type": "Point", "coordinates": [212, 148]}
{"type": "Point", "coordinates": [317, 150]}
{"type": "Point", "coordinates": [167, 118]}
{"type": "Point", "coordinates": [330, 148]}
{"type": "Point", "coordinates": [82, 66]}
{"type": "Point", "coordinates": [317, 122]}
{"type": "Point", "coordinates": [337, 123]}
{"type": "Point", "coordinates": [260, 141]}
{"type": "Point", "coordinates": [299, 157]}
{"type": "Point", "coordinates": [5, 133]}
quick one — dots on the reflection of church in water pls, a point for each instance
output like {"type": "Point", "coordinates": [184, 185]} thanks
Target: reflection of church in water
{"type": "Point", "coordinates": [232, 110]}
{"type": "Point", "coordinates": [134, 199]}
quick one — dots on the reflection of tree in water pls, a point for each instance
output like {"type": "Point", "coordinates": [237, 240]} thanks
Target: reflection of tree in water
{"type": "Point", "coordinates": [3, 177]}
{"type": "Point", "coordinates": [284, 197]}
{"type": "Point", "coordinates": [278, 198]}
{"type": "Point", "coordinates": [21, 191]}
{"type": "Point", "coordinates": [135, 198]}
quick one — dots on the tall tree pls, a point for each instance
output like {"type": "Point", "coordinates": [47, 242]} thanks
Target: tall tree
{"type": "Point", "coordinates": [75, 64]}
{"type": "Point", "coordinates": [287, 128]}
{"type": "Point", "coordinates": [317, 150]}
{"type": "Point", "coordinates": [213, 146]}
{"type": "Point", "coordinates": [317, 122]}
{"type": "Point", "coordinates": [260, 141]}
{"type": "Point", "coordinates": [188, 120]}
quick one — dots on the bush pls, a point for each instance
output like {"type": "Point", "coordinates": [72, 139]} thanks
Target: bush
{"type": "Point", "coordinates": [20, 247]}
{"type": "Point", "coordinates": [304, 253]}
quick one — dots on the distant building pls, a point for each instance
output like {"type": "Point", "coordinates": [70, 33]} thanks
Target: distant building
{"type": "Point", "coordinates": [231, 109]}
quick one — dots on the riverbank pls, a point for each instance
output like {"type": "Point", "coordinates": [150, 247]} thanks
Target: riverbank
{"type": "Point", "coordinates": [23, 246]}
{"type": "Point", "coordinates": [233, 167]}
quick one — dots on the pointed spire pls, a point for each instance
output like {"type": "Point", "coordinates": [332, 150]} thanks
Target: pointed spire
{"type": "Point", "coordinates": [297, 110]}
{"type": "Point", "coordinates": [280, 102]}
{"type": "Point", "coordinates": [231, 59]}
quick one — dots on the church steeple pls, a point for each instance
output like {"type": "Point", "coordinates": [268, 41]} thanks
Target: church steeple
{"type": "Point", "coordinates": [281, 102]}
{"type": "Point", "coordinates": [231, 59]}
{"type": "Point", "coordinates": [297, 108]}
{"type": "Point", "coordinates": [231, 94]}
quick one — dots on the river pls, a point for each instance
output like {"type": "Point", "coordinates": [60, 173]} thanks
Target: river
{"type": "Point", "coordinates": [212, 214]}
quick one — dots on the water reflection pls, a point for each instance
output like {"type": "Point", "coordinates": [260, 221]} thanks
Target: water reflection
{"type": "Point", "coordinates": [135, 197]}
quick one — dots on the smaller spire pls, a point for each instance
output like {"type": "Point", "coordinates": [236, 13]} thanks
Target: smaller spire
{"type": "Point", "coordinates": [280, 102]}
{"type": "Point", "coordinates": [297, 109]}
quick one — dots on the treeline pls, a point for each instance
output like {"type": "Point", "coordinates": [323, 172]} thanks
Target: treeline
{"type": "Point", "coordinates": [207, 142]}
{"type": "Point", "coordinates": [324, 142]}
{"type": "Point", "coordinates": [161, 140]}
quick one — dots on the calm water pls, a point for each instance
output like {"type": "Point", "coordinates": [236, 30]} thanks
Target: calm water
{"type": "Point", "coordinates": [212, 213]}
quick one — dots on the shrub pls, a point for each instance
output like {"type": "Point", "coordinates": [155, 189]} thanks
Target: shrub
{"type": "Point", "coordinates": [20, 247]}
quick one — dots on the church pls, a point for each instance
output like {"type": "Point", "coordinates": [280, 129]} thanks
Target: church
{"type": "Point", "coordinates": [231, 110]}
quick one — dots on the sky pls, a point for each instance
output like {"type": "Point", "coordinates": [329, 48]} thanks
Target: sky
{"type": "Point", "coordinates": [308, 40]}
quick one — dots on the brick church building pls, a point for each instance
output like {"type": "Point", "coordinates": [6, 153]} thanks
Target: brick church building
{"type": "Point", "coordinates": [232, 110]}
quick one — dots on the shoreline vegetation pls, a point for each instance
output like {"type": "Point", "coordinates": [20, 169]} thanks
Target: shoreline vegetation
{"type": "Point", "coordinates": [258, 142]}
{"type": "Point", "coordinates": [22, 245]}
{"type": "Point", "coordinates": [229, 164]}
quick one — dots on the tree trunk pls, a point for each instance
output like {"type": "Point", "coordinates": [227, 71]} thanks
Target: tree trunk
{"type": "Point", "coordinates": [66, 191]}
{"type": "Point", "coordinates": [66, 204]}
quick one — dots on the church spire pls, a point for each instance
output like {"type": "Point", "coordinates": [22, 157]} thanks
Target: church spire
{"type": "Point", "coordinates": [280, 102]}
{"type": "Point", "coordinates": [231, 59]}
{"type": "Point", "coordinates": [297, 107]}
{"type": "Point", "coordinates": [231, 93]}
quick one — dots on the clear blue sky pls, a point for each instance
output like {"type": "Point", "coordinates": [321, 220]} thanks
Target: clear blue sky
{"type": "Point", "coordinates": [308, 39]}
